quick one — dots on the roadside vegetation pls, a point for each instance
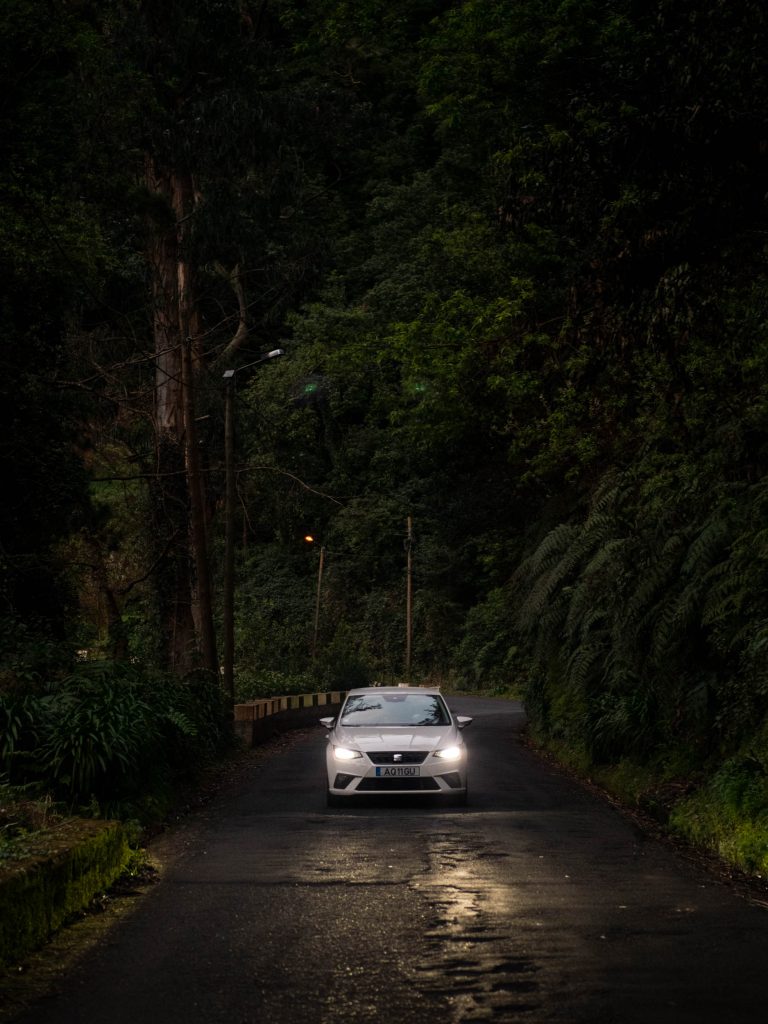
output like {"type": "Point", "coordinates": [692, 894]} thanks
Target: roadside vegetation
{"type": "Point", "coordinates": [99, 739]}
{"type": "Point", "coordinates": [515, 256]}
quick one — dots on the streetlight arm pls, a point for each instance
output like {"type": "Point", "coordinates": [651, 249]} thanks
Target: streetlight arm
{"type": "Point", "coordinates": [229, 374]}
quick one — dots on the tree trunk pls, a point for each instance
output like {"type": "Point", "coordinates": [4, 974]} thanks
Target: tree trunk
{"type": "Point", "coordinates": [172, 316]}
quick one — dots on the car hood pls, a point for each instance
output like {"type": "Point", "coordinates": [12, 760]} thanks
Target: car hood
{"type": "Point", "coordinates": [393, 738]}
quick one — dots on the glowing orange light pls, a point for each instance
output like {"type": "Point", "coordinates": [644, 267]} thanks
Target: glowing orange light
{"type": "Point", "coordinates": [309, 539]}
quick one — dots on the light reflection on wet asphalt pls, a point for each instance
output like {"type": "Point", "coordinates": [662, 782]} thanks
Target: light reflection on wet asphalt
{"type": "Point", "coordinates": [535, 903]}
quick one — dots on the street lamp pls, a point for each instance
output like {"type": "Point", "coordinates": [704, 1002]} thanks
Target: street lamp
{"type": "Point", "coordinates": [311, 540]}
{"type": "Point", "coordinates": [229, 519]}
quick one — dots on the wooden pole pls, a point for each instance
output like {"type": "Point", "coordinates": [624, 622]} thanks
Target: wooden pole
{"type": "Point", "coordinates": [408, 598]}
{"type": "Point", "coordinates": [197, 516]}
{"type": "Point", "coordinates": [317, 600]}
{"type": "Point", "coordinates": [228, 681]}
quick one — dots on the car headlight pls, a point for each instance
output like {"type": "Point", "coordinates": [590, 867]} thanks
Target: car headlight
{"type": "Point", "coordinates": [345, 753]}
{"type": "Point", "coordinates": [450, 754]}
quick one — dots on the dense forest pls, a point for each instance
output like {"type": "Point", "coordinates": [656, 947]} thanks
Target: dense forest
{"type": "Point", "coordinates": [515, 255]}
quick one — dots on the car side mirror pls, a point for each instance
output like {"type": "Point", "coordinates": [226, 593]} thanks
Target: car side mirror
{"type": "Point", "coordinates": [327, 722]}
{"type": "Point", "coordinates": [463, 720]}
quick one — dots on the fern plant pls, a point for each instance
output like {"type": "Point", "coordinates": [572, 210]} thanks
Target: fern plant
{"type": "Point", "coordinates": [626, 604]}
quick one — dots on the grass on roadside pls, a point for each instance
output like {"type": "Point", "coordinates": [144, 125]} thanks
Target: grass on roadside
{"type": "Point", "coordinates": [25, 824]}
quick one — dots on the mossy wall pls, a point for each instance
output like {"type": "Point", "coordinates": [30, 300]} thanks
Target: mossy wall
{"type": "Point", "coordinates": [38, 896]}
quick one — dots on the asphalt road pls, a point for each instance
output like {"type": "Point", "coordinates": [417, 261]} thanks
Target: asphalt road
{"type": "Point", "coordinates": [537, 902]}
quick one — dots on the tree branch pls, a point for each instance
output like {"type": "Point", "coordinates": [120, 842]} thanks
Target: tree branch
{"type": "Point", "coordinates": [241, 334]}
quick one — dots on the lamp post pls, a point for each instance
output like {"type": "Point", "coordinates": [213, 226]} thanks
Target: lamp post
{"type": "Point", "coordinates": [317, 601]}
{"type": "Point", "coordinates": [311, 540]}
{"type": "Point", "coordinates": [229, 521]}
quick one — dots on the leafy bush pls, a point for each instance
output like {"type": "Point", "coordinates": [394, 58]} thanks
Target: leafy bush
{"type": "Point", "coordinates": [96, 730]}
{"type": "Point", "coordinates": [108, 735]}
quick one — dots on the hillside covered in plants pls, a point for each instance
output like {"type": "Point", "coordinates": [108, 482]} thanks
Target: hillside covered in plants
{"type": "Point", "coordinates": [515, 256]}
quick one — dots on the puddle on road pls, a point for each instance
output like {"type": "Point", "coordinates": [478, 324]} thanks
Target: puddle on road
{"type": "Point", "coordinates": [469, 955]}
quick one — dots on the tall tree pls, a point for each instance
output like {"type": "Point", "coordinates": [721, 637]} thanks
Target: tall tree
{"type": "Point", "coordinates": [227, 216]}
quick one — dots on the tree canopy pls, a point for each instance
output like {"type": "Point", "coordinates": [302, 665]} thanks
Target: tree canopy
{"type": "Point", "coordinates": [516, 257]}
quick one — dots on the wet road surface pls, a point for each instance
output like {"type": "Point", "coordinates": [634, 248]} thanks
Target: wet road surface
{"type": "Point", "coordinates": [537, 902]}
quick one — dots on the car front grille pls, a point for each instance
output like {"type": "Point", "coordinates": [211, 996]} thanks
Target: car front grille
{"type": "Point", "coordinates": [422, 785]}
{"type": "Point", "coordinates": [399, 757]}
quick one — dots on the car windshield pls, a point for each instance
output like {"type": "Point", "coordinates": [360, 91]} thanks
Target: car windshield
{"type": "Point", "coordinates": [404, 709]}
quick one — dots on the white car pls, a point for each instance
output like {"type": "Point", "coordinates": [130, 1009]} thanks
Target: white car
{"type": "Point", "coordinates": [396, 740]}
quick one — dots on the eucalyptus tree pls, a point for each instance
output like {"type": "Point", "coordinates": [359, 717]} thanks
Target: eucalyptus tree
{"type": "Point", "coordinates": [220, 223]}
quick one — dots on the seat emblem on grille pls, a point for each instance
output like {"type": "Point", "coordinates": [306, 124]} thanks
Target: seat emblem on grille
{"type": "Point", "coordinates": [397, 757]}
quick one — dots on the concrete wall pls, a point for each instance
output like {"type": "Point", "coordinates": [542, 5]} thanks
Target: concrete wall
{"type": "Point", "coordinates": [257, 720]}
{"type": "Point", "coordinates": [83, 857]}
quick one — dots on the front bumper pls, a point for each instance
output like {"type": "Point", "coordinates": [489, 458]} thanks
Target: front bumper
{"type": "Point", "coordinates": [364, 778]}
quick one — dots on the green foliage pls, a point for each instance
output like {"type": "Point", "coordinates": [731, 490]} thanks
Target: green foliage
{"type": "Point", "coordinates": [275, 607]}
{"type": "Point", "coordinates": [343, 664]}
{"type": "Point", "coordinates": [627, 609]}
{"type": "Point", "coordinates": [550, 307]}
{"type": "Point", "coordinates": [106, 735]}
{"type": "Point", "coordinates": [54, 248]}
{"type": "Point", "coordinates": [518, 252]}
{"type": "Point", "coordinates": [19, 718]}
{"type": "Point", "coordinates": [730, 813]}
{"type": "Point", "coordinates": [28, 654]}
{"type": "Point", "coordinates": [22, 820]}
{"type": "Point", "coordinates": [487, 657]}
{"type": "Point", "coordinates": [91, 734]}
{"type": "Point", "coordinates": [251, 684]}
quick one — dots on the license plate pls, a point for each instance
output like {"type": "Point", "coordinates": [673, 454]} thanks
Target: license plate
{"type": "Point", "coordinates": [397, 771]}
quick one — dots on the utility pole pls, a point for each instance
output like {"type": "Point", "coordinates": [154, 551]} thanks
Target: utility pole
{"type": "Point", "coordinates": [197, 516]}
{"type": "Point", "coordinates": [228, 611]}
{"type": "Point", "coordinates": [317, 600]}
{"type": "Point", "coordinates": [408, 597]}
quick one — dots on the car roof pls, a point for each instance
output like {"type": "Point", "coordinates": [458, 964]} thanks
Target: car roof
{"type": "Point", "coordinates": [394, 689]}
